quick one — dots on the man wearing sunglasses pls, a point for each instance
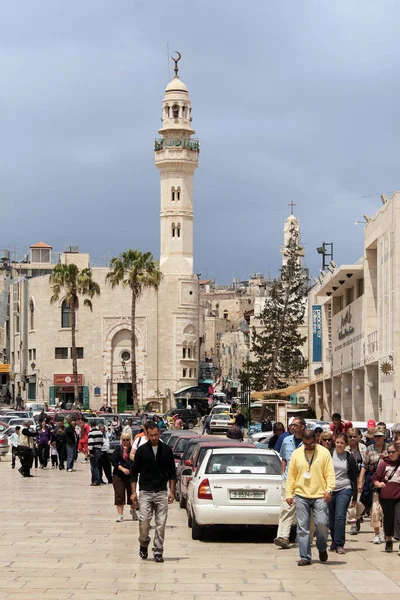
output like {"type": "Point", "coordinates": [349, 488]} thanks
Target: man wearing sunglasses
{"type": "Point", "coordinates": [309, 485]}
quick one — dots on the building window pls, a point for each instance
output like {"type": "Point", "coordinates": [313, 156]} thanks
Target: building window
{"type": "Point", "coordinates": [190, 372]}
{"type": "Point", "coordinates": [17, 319]}
{"type": "Point", "coordinates": [183, 352]}
{"type": "Point", "coordinates": [225, 314]}
{"type": "Point", "coordinates": [178, 230]}
{"type": "Point", "coordinates": [30, 354]}
{"type": "Point", "coordinates": [61, 353]}
{"type": "Point", "coordinates": [178, 193]}
{"type": "Point", "coordinates": [65, 315]}
{"type": "Point", "coordinates": [360, 287]}
{"type": "Point", "coordinates": [184, 112]}
{"type": "Point", "coordinates": [175, 111]}
{"type": "Point", "coordinates": [173, 194]}
{"type": "Point", "coordinates": [79, 352]}
{"type": "Point", "coordinates": [173, 229]}
{"type": "Point", "coordinates": [33, 353]}
{"type": "Point", "coordinates": [31, 314]}
{"type": "Point", "coordinates": [184, 373]}
{"type": "Point", "coordinates": [189, 352]}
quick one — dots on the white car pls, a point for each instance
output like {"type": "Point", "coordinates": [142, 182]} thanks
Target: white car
{"type": "Point", "coordinates": [221, 422]}
{"type": "Point", "coordinates": [262, 437]}
{"type": "Point", "coordinates": [235, 486]}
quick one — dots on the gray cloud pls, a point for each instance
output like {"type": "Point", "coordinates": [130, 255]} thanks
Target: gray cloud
{"type": "Point", "coordinates": [291, 101]}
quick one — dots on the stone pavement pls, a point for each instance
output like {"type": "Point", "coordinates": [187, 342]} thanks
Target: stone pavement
{"type": "Point", "coordinates": [59, 540]}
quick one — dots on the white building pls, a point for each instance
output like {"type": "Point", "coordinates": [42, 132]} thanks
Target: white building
{"type": "Point", "coordinates": [167, 324]}
{"type": "Point", "coordinates": [354, 316]}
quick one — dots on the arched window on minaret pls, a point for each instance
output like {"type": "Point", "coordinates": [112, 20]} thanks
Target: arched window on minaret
{"type": "Point", "coordinates": [173, 194]}
{"type": "Point", "coordinates": [173, 229]}
{"type": "Point", "coordinates": [167, 111]}
{"type": "Point", "coordinates": [175, 111]}
{"type": "Point", "coordinates": [183, 112]}
{"type": "Point", "coordinates": [178, 193]}
{"type": "Point", "coordinates": [178, 230]}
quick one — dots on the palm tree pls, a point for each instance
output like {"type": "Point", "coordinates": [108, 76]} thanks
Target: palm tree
{"type": "Point", "coordinates": [74, 283]}
{"type": "Point", "coordinates": [138, 271]}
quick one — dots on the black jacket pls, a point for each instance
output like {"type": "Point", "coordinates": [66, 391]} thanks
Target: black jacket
{"type": "Point", "coordinates": [154, 472]}
{"type": "Point", "coordinates": [71, 435]}
{"type": "Point", "coordinates": [352, 472]}
{"type": "Point", "coordinates": [117, 460]}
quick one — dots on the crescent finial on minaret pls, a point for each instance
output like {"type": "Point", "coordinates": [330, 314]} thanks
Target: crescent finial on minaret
{"type": "Point", "coordinates": [176, 60]}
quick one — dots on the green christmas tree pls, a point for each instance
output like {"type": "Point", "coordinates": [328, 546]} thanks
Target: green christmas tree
{"type": "Point", "coordinates": [277, 343]}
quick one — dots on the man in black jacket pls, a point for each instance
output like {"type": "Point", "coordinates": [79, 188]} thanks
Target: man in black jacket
{"type": "Point", "coordinates": [154, 463]}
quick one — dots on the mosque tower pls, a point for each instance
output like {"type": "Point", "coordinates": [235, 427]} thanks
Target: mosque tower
{"type": "Point", "coordinates": [291, 227]}
{"type": "Point", "coordinates": [176, 156]}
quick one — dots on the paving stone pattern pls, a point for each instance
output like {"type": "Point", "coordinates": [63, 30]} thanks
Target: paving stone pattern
{"type": "Point", "coordinates": [59, 540]}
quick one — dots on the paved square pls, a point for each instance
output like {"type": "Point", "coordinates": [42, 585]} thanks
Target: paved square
{"type": "Point", "coordinates": [60, 541]}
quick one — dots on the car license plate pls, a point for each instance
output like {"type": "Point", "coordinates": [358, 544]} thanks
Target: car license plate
{"type": "Point", "coordinates": [247, 494]}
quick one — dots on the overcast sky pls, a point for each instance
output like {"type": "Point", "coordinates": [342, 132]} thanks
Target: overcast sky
{"type": "Point", "coordinates": [292, 100]}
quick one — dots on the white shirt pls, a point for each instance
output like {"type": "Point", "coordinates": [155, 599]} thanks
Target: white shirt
{"type": "Point", "coordinates": [139, 441]}
{"type": "Point", "coordinates": [14, 439]}
{"type": "Point", "coordinates": [106, 444]}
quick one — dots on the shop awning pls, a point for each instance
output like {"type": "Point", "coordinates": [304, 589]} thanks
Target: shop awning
{"type": "Point", "coordinates": [287, 391]}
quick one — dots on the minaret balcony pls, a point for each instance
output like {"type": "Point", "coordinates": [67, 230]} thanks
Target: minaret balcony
{"type": "Point", "coordinates": [184, 144]}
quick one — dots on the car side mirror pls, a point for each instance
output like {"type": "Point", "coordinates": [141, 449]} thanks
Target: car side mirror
{"type": "Point", "coordinates": [188, 463]}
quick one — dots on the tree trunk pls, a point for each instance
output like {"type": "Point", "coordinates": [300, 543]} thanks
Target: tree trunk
{"type": "Point", "coordinates": [133, 350]}
{"type": "Point", "coordinates": [278, 341]}
{"type": "Point", "coordinates": [73, 354]}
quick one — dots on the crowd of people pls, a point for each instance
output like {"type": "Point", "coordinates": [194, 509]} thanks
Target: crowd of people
{"type": "Point", "coordinates": [335, 477]}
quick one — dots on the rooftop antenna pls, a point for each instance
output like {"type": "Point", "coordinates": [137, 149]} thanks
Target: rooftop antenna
{"type": "Point", "coordinates": [169, 70]}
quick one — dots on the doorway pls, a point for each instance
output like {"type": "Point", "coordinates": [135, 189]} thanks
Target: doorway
{"type": "Point", "coordinates": [124, 402]}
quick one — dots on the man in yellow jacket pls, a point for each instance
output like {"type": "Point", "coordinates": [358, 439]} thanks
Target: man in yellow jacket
{"type": "Point", "coordinates": [310, 483]}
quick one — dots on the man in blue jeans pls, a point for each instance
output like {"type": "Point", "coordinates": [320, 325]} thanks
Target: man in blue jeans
{"type": "Point", "coordinates": [71, 438]}
{"type": "Point", "coordinates": [310, 483]}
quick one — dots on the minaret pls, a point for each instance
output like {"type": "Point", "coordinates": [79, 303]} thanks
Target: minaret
{"type": "Point", "coordinates": [291, 228]}
{"type": "Point", "coordinates": [176, 156]}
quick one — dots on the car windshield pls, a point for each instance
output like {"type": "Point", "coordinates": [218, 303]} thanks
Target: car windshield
{"type": "Point", "coordinates": [243, 464]}
{"type": "Point", "coordinates": [220, 409]}
{"type": "Point", "coordinates": [222, 417]}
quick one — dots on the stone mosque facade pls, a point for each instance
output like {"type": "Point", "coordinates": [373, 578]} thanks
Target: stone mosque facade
{"type": "Point", "coordinates": [167, 323]}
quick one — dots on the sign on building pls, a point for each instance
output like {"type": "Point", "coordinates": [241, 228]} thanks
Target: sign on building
{"type": "Point", "coordinates": [317, 332]}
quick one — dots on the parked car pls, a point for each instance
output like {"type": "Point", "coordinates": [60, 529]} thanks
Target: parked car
{"type": "Point", "coordinates": [221, 423]}
{"type": "Point", "coordinates": [191, 445]}
{"type": "Point", "coordinates": [4, 444]}
{"type": "Point", "coordinates": [180, 445]}
{"type": "Point", "coordinates": [96, 421]}
{"type": "Point", "coordinates": [189, 416]}
{"type": "Point", "coordinates": [262, 437]}
{"type": "Point", "coordinates": [192, 462]}
{"type": "Point", "coordinates": [362, 426]}
{"type": "Point", "coordinates": [16, 421]}
{"type": "Point", "coordinates": [178, 433]}
{"type": "Point", "coordinates": [235, 486]}
{"type": "Point", "coordinates": [221, 408]}
{"type": "Point", "coordinates": [35, 406]}
{"type": "Point", "coordinates": [18, 413]}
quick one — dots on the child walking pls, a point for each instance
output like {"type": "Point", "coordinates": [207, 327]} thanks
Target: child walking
{"type": "Point", "coordinates": [54, 455]}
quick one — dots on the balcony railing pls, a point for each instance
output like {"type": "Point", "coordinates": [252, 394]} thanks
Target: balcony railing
{"type": "Point", "coordinates": [372, 342]}
{"type": "Point", "coordinates": [162, 143]}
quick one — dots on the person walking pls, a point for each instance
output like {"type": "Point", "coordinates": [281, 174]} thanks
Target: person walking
{"type": "Point", "coordinates": [154, 463]}
{"type": "Point", "coordinates": [278, 429]}
{"type": "Point", "coordinates": [43, 444]}
{"type": "Point", "coordinates": [95, 444]}
{"type": "Point", "coordinates": [337, 425]}
{"type": "Point", "coordinates": [105, 465]}
{"type": "Point", "coordinates": [309, 486]}
{"type": "Point", "coordinates": [14, 440]}
{"type": "Point", "coordinates": [122, 477]}
{"type": "Point", "coordinates": [61, 445]}
{"type": "Point", "coordinates": [240, 420]}
{"type": "Point", "coordinates": [288, 511]}
{"type": "Point", "coordinates": [206, 426]}
{"type": "Point", "coordinates": [357, 449]}
{"type": "Point", "coordinates": [387, 479]}
{"type": "Point", "coordinates": [71, 438]}
{"type": "Point", "coordinates": [344, 493]}
{"type": "Point", "coordinates": [284, 435]}
{"type": "Point", "coordinates": [369, 496]}
{"type": "Point", "coordinates": [25, 449]}
{"type": "Point", "coordinates": [83, 439]}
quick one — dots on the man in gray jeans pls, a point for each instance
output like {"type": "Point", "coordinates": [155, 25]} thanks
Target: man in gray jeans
{"type": "Point", "coordinates": [154, 463]}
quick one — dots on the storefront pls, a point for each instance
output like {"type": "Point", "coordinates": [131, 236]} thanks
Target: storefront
{"type": "Point", "coordinates": [63, 390]}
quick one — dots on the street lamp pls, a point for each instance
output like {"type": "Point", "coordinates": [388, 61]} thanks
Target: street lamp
{"type": "Point", "coordinates": [327, 252]}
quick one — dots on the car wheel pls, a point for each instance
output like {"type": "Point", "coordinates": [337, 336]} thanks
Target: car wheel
{"type": "Point", "coordinates": [182, 502]}
{"type": "Point", "coordinates": [190, 424]}
{"type": "Point", "coordinates": [189, 519]}
{"type": "Point", "coordinates": [197, 530]}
